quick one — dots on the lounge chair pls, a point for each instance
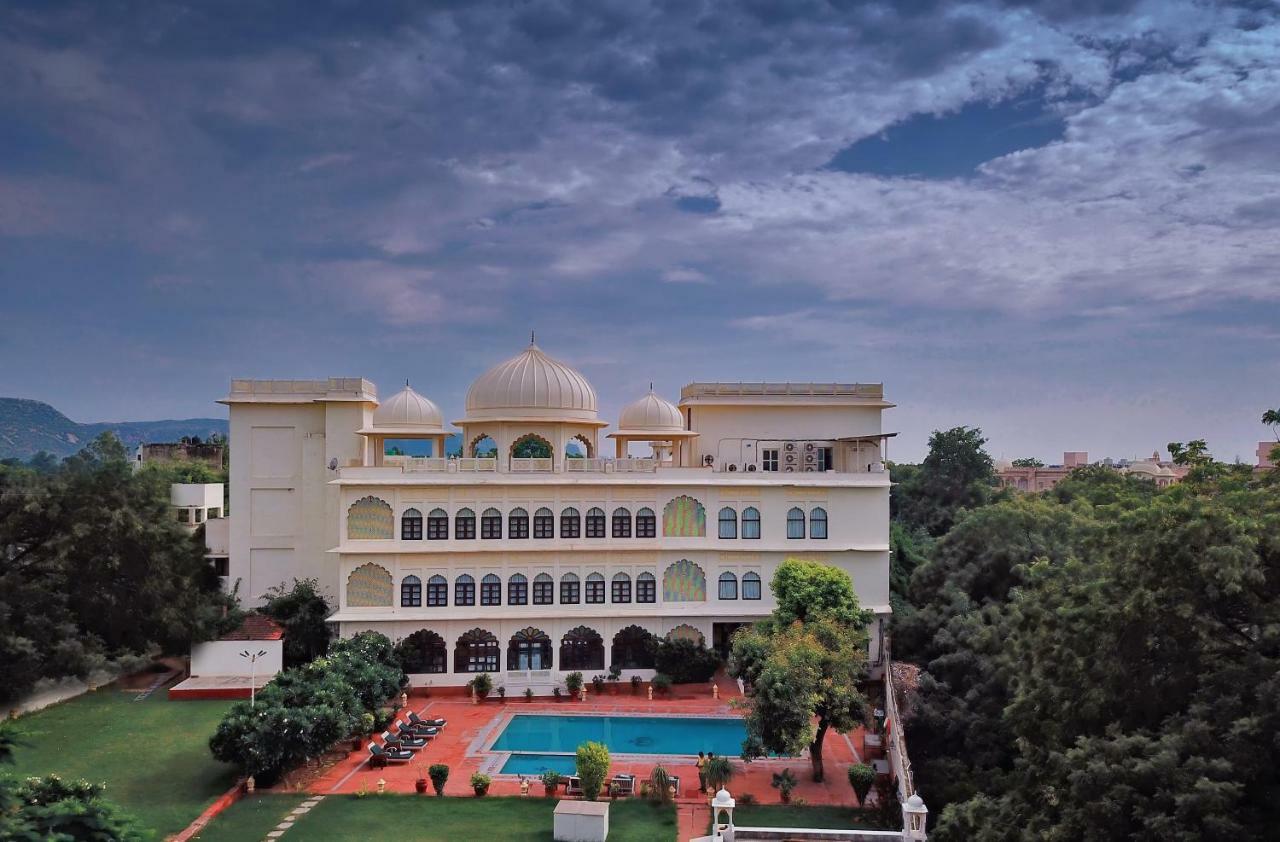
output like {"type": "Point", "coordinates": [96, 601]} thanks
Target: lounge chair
{"type": "Point", "coordinates": [425, 731]}
{"type": "Point", "coordinates": [573, 786]}
{"type": "Point", "coordinates": [404, 741]}
{"type": "Point", "coordinates": [419, 722]}
{"type": "Point", "coordinates": [622, 786]}
{"type": "Point", "coordinates": [380, 756]}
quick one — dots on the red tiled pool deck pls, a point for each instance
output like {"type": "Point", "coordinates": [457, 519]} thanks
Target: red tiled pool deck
{"type": "Point", "coordinates": [458, 745]}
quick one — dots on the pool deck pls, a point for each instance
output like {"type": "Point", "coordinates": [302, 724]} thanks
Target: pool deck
{"type": "Point", "coordinates": [472, 727]}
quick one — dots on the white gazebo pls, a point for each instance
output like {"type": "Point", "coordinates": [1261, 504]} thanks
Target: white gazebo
{"type": "Point", "coordinates": [656, 421]}
{"type": "Point", "coordinates": [405, 415]}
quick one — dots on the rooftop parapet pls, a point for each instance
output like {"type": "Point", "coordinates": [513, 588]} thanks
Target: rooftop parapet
{"type": "Point", "coordinates": [302, 391]}
{"type": "Point", "coordinates": [786, 392]}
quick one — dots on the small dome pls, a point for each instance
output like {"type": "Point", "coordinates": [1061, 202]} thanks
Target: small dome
{"type": "Point", "coordinates": [915, 803]}
{"type": "Point", "coordinates": [407, 408]}
{"type": "Point", "coordinates": [531, 385]}
{"type": "Point", "coordinates": [651, 412]}
{"type": "Point", "coordinates": [723, 799]}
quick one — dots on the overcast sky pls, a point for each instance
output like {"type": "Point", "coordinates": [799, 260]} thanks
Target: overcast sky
{"type": "Point", "coordinates": [1056, 220]}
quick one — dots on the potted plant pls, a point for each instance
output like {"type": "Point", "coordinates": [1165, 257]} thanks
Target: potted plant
{"type": "Point", "coordinates": [550, 782]}
{"type": "Point", "coordinates": [784, 782]}
{"type": "Point", "coordinates": [659, 784]}
{"type": "Point", "coordinates": [439, 773]}
{"type": "Point", "coordinates": [482, 684]}
{"type": "Point", "coordinates": [528, 694]}
{"type": "Point", "coordinates": [366, 727]}
{"type": "Point", "coordinates": [480, 783]}
{"type": "Point", "coordinates": [661, 683]}
{"type": "Point", "coordinates": [718, 771]}
{"type": "Point", "coordinates": [420, 785]}
{"type": "Point", "coordinates": [557, 693]}
{"type": "Point", "coordinates": [635, 685]}
{"type": "Point", "coordinates": [615, 674]}
{"type": "Point", "coordinates": [573, 681]}
{"type": "Point", "coordinates": [597, 684]}
{"type": "Point", "coordinates": [502, 693]}
{"type": "Point", "coordinates": [861, 777]}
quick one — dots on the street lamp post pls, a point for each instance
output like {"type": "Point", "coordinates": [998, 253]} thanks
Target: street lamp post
{"type": "Point", "coordinates": [253, 672]}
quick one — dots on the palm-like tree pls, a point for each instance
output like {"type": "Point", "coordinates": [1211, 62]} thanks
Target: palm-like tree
{"type": "Point", "coordinates": [1272, 419]}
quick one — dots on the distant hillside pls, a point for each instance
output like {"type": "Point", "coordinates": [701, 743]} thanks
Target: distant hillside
{"type": "Point", "coordinates": [27, 427]}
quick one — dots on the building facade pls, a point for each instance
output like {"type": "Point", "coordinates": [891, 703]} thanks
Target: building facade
{"type": "Point", "coordinates": [539, 561]}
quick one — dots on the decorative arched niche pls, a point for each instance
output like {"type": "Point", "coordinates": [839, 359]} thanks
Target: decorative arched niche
{"type": "Point", "coordinates": [370, 519]}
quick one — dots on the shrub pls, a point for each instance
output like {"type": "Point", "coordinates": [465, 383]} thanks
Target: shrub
{"type": "Point", "coordinates": [551, 779]}
{"type": "Point", "coordinates": [52, 808]}
{"type": "Point", "coordinates": [482, 684]}
{"type": "Point", "coordinates": [557, 691]}
{"type": "Point", "coordinates": [573, 681]}
{"type": "Point", "coordinates": [480, 783]}
{"type": "Point", "coordinates": [746, 799]}
{"type": "Point", "coordinates": [502, 691]}
{"type": "Point", "coordinates": [659, 784]}
{"type": "Point", "coordinates": [615, 672]}
{"type": "Point", "coordinates": [685, 661]}
{"type": "Point", "coordinates": [439, 774]}
{"type": "Point", "coordinates": [528, 694]}
{"type": "Point", "coordinates": [861, 777]}
{"type": "Point", "coordinates": [718, 771]}
{"type": "Point", "coordinates": [661, 683]}
{"type": "Point", "coordinates": [597, 684]}
{"type": "Point", "coordinates": [592, 763]}
{"type": "Point", "coordinates": [635, 684]}
{"type": "Point", "coordinates": [784, 782]}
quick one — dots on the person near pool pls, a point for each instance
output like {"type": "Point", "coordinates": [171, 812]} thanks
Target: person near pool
{"type": "Point", "coordinates": [702, 772]}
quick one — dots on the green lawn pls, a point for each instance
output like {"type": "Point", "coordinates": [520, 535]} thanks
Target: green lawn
{"type": "Point", "coordinates": [790, 815]}
{"type": "Point", "coordinates": [153, 755]}
{"type": "Point", "coordinates": [418, 818]}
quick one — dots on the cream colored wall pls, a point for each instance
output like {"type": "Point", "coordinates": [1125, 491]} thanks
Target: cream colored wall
{"type": "Point", "coordinates": [716, 423]}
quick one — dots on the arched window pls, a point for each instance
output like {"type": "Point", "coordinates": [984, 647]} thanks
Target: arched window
{"type": "Point", "coordinates": [410, 592]}
{"type": "Point", "coordinates": [517, 589]}
{"type": "Point", "coordinates": [491, 523]}
{"type": "Point", "coordinates": [684, 517]}
{"type": "Point", "coordinates": [646, 587]}
{"type": "Point", "coordinates": [477, 651]}
{"type": "Point", "coordinates": [621, 588]}
{"type": "Point", "coordinates": [684, 581]}
{"type": "Point", "coordinates": [544, 523]}
{"type": "Point", "coordinates": [370, 519]}
{"type": "Point", "coordinates": [531, 446]}
{"type": "Point", "coordinates": [570, 523]}
{"type": "Point", "coordinates": [437, 592]}
{"type": "Point", "coordinates": [595, 523]}
{"type": "Point", "coordinates": [728, 586]}
{"type": "Point", "coordinates": [437, 525]}
{"type": "Point", "coordinates": [369, 586]}
{"type": "Point", "coordinates": [728, 523]}
{"type": "Point", "coordinates": [569, 587]}
{"type": "Point", "coordinates": [490, 590]}
{"type": "Point", "coordinates": [750, 522]}
{"type": "Point", "coordinates": [464, 590]}
{"type": "Point", "coordinates": [518, 523]}
{"type": "Point", "coordinates": [646, 523]}
{"type": "Point", "coordinates": [818, 523]}
{"type": "Point", "coordinates": [411, 525]}
{"type": "Point", "coordinates": [633, 649]}
{"type": "Point", "coordinates": [464, 525]}
{"type": "Point", "coordinates": [423, 652]}
{"type": "Point", "coordinates": [750, 585]}
{"type": "Point", "coordinates": [795, 523]}
{"type": "Point", "coordinates": [529, 649]}
{"type": "Point", "coordinates": [543, 588]}
{"type": "Point", "coordinates": [581, 649]}
{"type": "Point", "coordinates": [595, 589]}
{"type": "Point", "coordinates": [621, 523]}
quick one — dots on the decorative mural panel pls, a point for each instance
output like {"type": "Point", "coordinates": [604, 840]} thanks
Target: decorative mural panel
{"type": "Point", "coordinates": [684, 517]}
{"type": "Point", "coordinates": [684, 581]}
{"type": "Point", "coordinates": [369, 586]}
{"type": "Point", "coordinates": [370, 519]}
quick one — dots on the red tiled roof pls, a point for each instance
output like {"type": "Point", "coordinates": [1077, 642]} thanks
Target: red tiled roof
{"type": "Point", "coordinates": [256, 627]}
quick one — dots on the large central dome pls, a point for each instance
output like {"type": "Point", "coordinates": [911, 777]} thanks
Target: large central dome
{"type": "Point", "coordinates": [533, 386]}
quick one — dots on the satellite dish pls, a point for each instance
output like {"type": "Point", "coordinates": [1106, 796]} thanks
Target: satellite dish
{"type": "Point", "coordinates": [333, 464]}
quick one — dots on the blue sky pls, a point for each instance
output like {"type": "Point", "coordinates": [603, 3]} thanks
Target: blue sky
{"type": "Point", "coordinates": [1054, 220]}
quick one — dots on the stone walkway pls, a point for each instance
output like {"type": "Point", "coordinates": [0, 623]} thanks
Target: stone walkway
{"type": "Point", "coordinates": [294, 814]}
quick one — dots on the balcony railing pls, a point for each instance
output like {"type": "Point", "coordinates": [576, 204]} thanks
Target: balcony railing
{"type": "Point", "coordinates": [475, 463]}
{"type": "Point", "coordinates": [425, 463]}
{"type": "Point", "coordinates": [574, 466]}
{"type": "Point", "coordinates": [530, 465]}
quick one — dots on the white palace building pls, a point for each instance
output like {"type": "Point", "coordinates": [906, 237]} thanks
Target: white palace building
{"type": "Point", "coordinates": [534, 554]}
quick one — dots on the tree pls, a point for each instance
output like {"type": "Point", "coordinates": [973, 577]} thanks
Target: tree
{"type": "Point", "coordinates": [51, 808]}
{"type": "Point", "coordinates": [1272, 419]}
{"type": "Point", "coordinates": [685, 661]}
{"type": "Point", "coordinates": [957, 474]}
{"type": "Point", "coordinates": [592, 763]}
{"type": "Point", "coordinates": [802, 666]}
{"type": "Point", "coordinates": [1028, 462]}
{"type": "Point", "coordinates": [861, 777]}
{"type": "Point", "coordinates": [1194, 453]}
{"type": "Point", "coordinates": [303, 611]}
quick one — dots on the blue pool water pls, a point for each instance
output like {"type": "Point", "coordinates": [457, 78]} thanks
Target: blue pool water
{"type": "Point", "coordinates": [548, 741]}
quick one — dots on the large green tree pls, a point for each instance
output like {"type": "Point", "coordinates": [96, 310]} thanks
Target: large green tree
{"type": "Point", "coordinates": [303, 611]}
{"type": "Point", "coordinates": [957, 474]}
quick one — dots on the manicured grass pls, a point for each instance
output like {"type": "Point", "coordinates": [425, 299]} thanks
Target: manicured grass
{"type": "Point", "coordinates": [790, 815]}
{"type": "Point", "coordinates": [418, 818]}
{"type": "Point", "coordinates": [153, 755]}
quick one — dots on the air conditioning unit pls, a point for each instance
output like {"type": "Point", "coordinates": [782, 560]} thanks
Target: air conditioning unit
{"type": "Point", "coordinates": [751, 467]}
{"type": "Point", "coordinates": [810, 446]}
{"type": "Point", "coordinates": [789, 469]}
{"type": "Point", "coordinates": [732, 468]}
{"type": "Point", "coordinates": [790, 446]}
{"type": "Point", "coordinates": [790, 458]}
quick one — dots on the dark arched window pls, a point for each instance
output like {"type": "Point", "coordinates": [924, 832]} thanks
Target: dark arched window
{"type": "Point", "coordinates": [728, 586]}
{"type": "Point", "coordinates": [633, 649]}
{"type": "Point", "coordinates": [570, 523]}
{"type": "Point", "coordinates": [517, 589]}
{"type": "Point", "coordinates": [750, 585]}
{"type": "Point", "coordinates": [543, 589]}
{"type": "Point", "coordinates": [621, 589]}
{"type": "Point", "coordinates": [529, 649]}
{"type": "Point", "coordinates": [728, 523]}
{"type": "Point", "coordinates": [423, 651]}
{"type": "Point", "coordinates": [646, 523]}
{"type": "Point", "coordinates": [491, 523]}
{"type": "Point", "coordinates": [750, 522]}
{"type": "Point", "coordinates": [595, 589]}
{"type": "Point", "coordinates": [477, 651]}
{"type": "Point", "coordinates": [437, 525]}
{"type": "Point", "coordinates": [490, 590]}
{"type": "Point", "coordinates": [818, 523]}
{"type": "Point", "coordinates": [464, 525]}
{"type": "Point", "coordinates": [646, 588]}
{"type": "Point", "coordinates": [464, 590]}
{"type": "Point", "coordinates": [795, 523]}
{"type": "Point", "coordinates": [437, 592]}
{"type": "Point", "coordinates": [410, 592]}
{"type": "Point", "coordinates": [621, 523]}
{"type": "Point", "coordinates": [544, 523]}
{"type": "Point", "coordinates": [595, 523]}
{"type": "Point", "coordinates": [569, 587]}
{"type": "Point", "coordinates": [518, 523]}
{"type": "Point", "coordinates": [411, 525]}
{"type": "Point", "coordinates": [581, 649]}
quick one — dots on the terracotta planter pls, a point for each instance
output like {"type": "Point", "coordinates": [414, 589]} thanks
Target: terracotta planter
{"type": "Point", "coordinates": [549, 791]}
{"type": "Point", "coordinates": [421, 786]}
{"type": "Point", "coordinates": [481, 790]}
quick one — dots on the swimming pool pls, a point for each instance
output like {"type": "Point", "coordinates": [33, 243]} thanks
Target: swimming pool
{"type": "Point", "coordinates": [539, 742]}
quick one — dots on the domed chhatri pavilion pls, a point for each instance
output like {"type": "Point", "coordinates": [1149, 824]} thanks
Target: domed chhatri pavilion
{"type": "Point", "coordinates": [531, 553]}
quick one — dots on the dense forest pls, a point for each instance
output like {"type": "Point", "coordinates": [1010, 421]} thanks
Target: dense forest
{"type": "Point", "coordinates": [1098, 662]}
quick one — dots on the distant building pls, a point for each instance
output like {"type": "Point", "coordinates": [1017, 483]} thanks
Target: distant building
{"type": "Point", "coordinates": [209, 454]}
{"type": "Point", "coordinates": [1160, 471]}
{"type": "Point", "coordinates": [197, 503]}
{"type": "Point", "coordinates": [226, 668]}
{"type": "Point", "coordinates": [1040, 478]}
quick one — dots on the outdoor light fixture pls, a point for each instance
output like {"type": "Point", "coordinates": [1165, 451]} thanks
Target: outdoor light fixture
{"type": "Point", "coordinates": [253, 672]}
